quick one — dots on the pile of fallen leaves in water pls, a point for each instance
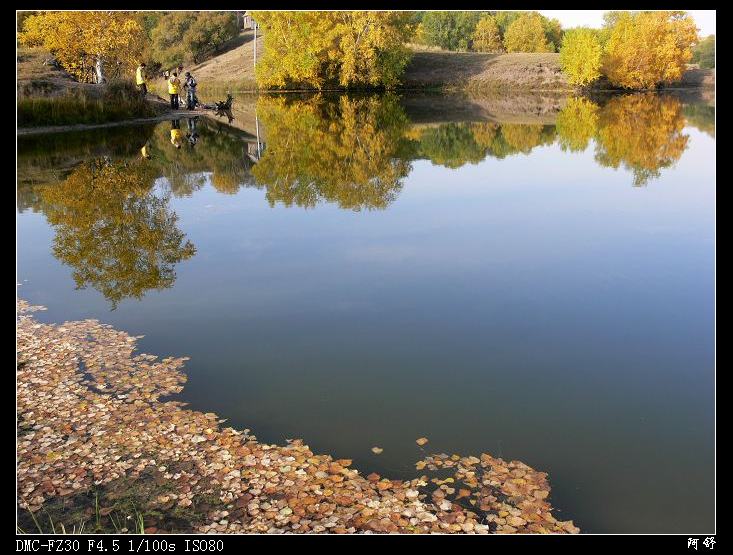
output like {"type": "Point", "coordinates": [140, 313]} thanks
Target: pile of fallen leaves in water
{"type": "Point", "coordinates": [90, 415]}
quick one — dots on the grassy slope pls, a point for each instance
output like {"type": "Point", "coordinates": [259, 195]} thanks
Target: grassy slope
{"type": "Point", "coordinates": [475, 70]}
{"type": "Point", "coordinates": [38, 79]}
{"type": "Point", "coordinates": [232, 69]}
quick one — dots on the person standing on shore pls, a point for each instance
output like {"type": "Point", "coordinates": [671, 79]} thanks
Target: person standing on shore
{"type": "Point", "coordinates": [174, 84]}
{"type": "Point", "coordinates": [140, 79]}
{"type": "Point", "coordinates": [190, 85]}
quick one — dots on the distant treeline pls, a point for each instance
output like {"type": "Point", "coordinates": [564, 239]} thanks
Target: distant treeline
{"type": "Point", "coordinates": [366, 49]}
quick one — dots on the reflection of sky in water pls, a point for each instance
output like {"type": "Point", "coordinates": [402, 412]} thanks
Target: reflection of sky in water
{"type": "Point", "coordinates": [537, 307]}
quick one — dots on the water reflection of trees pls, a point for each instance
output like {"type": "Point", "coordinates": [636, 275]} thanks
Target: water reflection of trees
{"type": "Point", "coordinates": [642, 133]}
{"type": "Point", "coordinates": [111, 212]}
{"type": "Point", "coordinates": [701, 116]}
{"type": "Point", "coordinates": [454, 144]}
{"type": "Point", "coordinates": [218, 151]}
{"type": "Point", "coordinates": [344, 151]}
{"type": "Point", "coordinates": [577, 124]}
{"type": "Point", "coordinates": [115, 232]}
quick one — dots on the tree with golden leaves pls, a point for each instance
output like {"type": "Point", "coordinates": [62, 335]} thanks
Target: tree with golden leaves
{"type": "Point", "coordinates": [340, 48]}
{"type": "Point", "coordinates": [527, 34]}
{"type": "Point", "coordinates": [85, 42]}
{"type": "Point", "coordinates": [580, 56]}
{"type": "Point", "coordinates": [486, 37]}
{"type": "Point", "coordinates": [646, 49]}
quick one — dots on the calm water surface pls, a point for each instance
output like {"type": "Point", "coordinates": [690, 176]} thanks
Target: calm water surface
{"type": "Point", "coordinates": [359, 273]}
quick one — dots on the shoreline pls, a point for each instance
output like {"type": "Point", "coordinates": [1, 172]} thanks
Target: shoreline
{"type": "Point", "coordinates": [170, 115]}
{"type": "Point", "coordinates": [94, 432]}
{"type": "Point", "coordinates": [23, 131]}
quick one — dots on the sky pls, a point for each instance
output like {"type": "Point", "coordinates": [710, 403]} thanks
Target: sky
{"type": "Point", "coordinates": [705, 19]}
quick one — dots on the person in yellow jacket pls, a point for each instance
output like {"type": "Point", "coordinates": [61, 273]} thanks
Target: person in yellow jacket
{"type": "Point", "coordinates": [140, 79]}
{"type": "Point", "coordinates": [174, 87]}
{"type": "Point", "coordinates": [176, 133]}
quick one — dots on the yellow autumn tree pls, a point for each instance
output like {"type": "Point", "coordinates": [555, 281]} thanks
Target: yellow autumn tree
{"type": "Point", "coordinates": [646, 49]}
{"type": "Point", "coordinates": [527, 34]}
{"type": "Point", "coordinates": [486, 37]}
{"type": "Point", "coordinates": [85, 42]}
{"type": "Point", "coordinates": [340, 48]}
{"type": "Point", "coordinates": [580, 56]}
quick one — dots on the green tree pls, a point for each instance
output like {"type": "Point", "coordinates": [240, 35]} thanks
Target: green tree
{"type": "Point", "coordinates": [451, 145]}
{"type": "Point", "coordinates": [527, 34]}
{"type": "Point", "coordinates": [701, 116]}
{"type": "Point", "coordinates": [185, 37]}
{"type": "Point", "coordinates": [704, 53]}
{"type": "Point", "coordinates": [580, 56]}
{"type": "Point", "coordinates": [504, 19]}
{"type": "Point", "coordinates": [452, 30]}
{"type": "Point", "coordinates": [486, 37]}
{"type": "Point", "coordinates": [553, 33]}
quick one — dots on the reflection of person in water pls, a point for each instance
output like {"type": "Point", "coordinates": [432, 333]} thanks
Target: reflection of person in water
{"type": "Point", "coordinates": [192, 135]}
{"type": "Point", "coordinates": [176, 133]}
{"type": "Point", "coordinates": [145, 151]}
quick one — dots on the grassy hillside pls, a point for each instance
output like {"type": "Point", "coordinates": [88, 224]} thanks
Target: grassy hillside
{"type": "Point", "coordinates": [38, 77]}
{"type": "Point", "coordinates": [475, 70]}
{"type": "Point", "coordinates": [233, 69]}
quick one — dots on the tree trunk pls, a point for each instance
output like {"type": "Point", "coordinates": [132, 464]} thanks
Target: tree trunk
{"type": "Point", "coordinates": [99, 69]}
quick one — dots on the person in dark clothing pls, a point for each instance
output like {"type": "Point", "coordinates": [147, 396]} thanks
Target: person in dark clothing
{"type": "Point", "coordinates": [190, 85]}
{"type": "Point", "coordinates": [192, 134]}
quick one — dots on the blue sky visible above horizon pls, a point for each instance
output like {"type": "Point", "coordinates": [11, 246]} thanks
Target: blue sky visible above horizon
{"type": "Point", "coordinates": [705, 19]}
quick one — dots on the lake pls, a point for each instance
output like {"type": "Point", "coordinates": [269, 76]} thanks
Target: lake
{"type": "Point", "coordinates": [528, 277]}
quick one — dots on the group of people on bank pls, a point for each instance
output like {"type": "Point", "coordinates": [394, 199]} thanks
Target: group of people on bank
{"type": "Point", "coordinates": [177, 81]}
